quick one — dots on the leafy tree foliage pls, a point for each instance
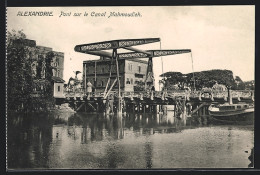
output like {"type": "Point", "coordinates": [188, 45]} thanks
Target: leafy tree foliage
{"type": "Point", "coordinates": [203, 79]}
{"type": "Point", "coordinates": [139, 86]}
{"type": "Point", "coordinates": [250, 85]}
{"type": "Point", "coordinates": [20, 82]}
{"type": "Point", "coordinates": [239, 84]}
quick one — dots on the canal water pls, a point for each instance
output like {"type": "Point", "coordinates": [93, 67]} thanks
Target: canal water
{"type": "Point", "coordinates": [131, 141]}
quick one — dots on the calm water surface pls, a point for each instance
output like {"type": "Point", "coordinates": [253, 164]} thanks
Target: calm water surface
{"type": "Point", "coordinates": [132, 141]}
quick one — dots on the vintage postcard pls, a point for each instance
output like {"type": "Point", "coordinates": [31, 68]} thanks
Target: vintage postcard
{"type": "Point", "coordinates": [130, 87]}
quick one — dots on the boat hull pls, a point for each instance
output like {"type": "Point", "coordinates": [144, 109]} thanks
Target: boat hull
{"type": "Point", "coordinates": [241, 115]}
{"type": "Point", "coordinates": [231, 113]}
{"type": "Point", "coordinates": [245, 117]}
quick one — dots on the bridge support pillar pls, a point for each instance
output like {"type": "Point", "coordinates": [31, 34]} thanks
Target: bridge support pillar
{"type": "Point", "coordinates": [119, 107]}
{"type": "Point", "coordinates": [138, 107]}
{"type": "Point", "coordinates": [129, 108]}
{"type": "Point", "coordinates": [133, 107]}
{"type": "Point", "coordinates": [109, 106]}
{"type": "Point", "coordinates": [159, 108]}
{"type": "Point", "coordinates": [155, 109]}
{"type": "Point", "coordinates": [174, 111]}
{"type": "Point", "coordinates": [151, 108]}
{"type": "Point", "coordinates": [204, 115]}
{"type": "Point", "coordinates": [199, 116]}
{"type": "Point", "coordinates": [184, 116]}
{"type": "Point", "coordinates": [97, 107]}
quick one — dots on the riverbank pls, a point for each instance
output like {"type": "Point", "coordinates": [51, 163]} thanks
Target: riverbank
{"type": "Point", "coordinates": [57, 108]}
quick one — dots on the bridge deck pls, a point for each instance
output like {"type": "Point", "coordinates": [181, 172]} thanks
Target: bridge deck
{"type": "Point", "coordinates": [239, 95]}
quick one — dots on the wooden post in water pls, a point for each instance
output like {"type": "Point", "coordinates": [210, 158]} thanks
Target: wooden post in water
{"type": "Point", "coordinates": [199, 115]}
{"type": "Point", "coordinates": [107, 107]}
{"type": "Point", "coordinates": [85, 79]}
{"type": "Point", "coordinates": [174, 110]}
{"type": "Point", "coordinates": [126, 107]}
{"type": "Point", "coordinates": [184, 112]}
{"type": "Point", "coordinates": [95, 81]}
{"type": "Point", "coordinates": [252, 95]}
{"type": "Point", "coordinates": [175, 117]}
{"type": "Point", "coordinates": [229, 95]}
{"type": "Point", "coordinates": [119, 106]}
{"type": "Point", "coordinates": [204, 115]}
{"type": "Point", "coordinates": [97, 107]}
{"type": "Point", "coordinates": [155, 109]}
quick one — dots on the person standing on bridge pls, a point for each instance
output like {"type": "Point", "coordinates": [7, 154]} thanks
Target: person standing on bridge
{"type": "Point", "coordinates": [153, 89]}
{"type": "Point", "coordinates": [89, 88]}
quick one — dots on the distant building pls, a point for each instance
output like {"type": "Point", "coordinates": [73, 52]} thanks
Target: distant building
{"type": "Point", "coordinates": [37, 54]}
{"type": "Point", "coordinates": [132, 73]}
{"type": "Point", "coordinates": [58, 87]}
{"type": "Point", "coordinates": [57, 62]}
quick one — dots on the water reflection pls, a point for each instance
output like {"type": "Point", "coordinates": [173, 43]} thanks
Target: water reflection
{"type": "Point", "coordinates": [29, 141]}
{"type": "Point", "coordinates": [148, 154]}
{"type": "Point", "coordinates": [88, 141]}
{"type": "Point", "coordinates": [93, 127]}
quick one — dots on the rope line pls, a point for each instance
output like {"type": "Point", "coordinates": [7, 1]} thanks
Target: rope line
{"type": "Point", "coordinates": [192, 70]}
{"type": "Point", "coordinates": [161, 61]}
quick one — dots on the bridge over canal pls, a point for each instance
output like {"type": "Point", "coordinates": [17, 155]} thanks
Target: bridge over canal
{"type": "Point", "coordinates": [185, 102]}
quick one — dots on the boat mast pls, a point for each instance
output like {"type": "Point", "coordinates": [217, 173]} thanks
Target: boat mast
{"type": "Point", "coordinates": [229, 95]}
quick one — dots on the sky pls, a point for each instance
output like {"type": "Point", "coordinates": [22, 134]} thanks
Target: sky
{"type": "Point", "coordinates": [220, 37]}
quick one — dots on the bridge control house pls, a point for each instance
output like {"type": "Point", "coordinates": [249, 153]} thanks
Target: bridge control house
{"type": "Point", "coordinates": [132, 74]}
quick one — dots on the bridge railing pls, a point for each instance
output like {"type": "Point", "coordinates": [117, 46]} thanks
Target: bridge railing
{"type": "Point", "coordinates": [219, 94]}
{"type": "Point", "coordinates": [242, 93]}
{"type": "Point", "coordinates": [166, 94]}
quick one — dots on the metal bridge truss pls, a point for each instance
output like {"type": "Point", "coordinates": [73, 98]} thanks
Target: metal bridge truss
{"type": "Point", "coordinates": [114, 44]}
{"type": "Point", "coordinates": [152, 53]}
{"type": "Point", "coordinates": [97, 49]}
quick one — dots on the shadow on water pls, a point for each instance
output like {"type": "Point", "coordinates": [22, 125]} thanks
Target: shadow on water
{"type": "Point", "coordinates": [29, 138]}
{"type": "Point", "coordinates": [56, 140]}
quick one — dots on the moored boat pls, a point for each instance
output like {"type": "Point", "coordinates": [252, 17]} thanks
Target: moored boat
{"type": "Point", "coordinates": [236, 112]}
{"type": "Point", "coordinates": [232, 112]}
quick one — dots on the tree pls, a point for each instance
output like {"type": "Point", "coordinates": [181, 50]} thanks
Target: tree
{"type": "Point", "coordinates": [19, 80]}
{"type": "Point", "coordinates": [239, 84]}
{"type": "Point", "coordinates": [202, 79]}
{"type": "Point", "coordinates": [250, 85]}
{"type": "Point", "coordinates": [171, 79]}
{"type": "Point", "coordinates": [139, 86]}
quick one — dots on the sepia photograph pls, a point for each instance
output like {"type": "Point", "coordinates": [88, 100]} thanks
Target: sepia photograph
{"type": "Point", "coordinates": [130, 87]}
